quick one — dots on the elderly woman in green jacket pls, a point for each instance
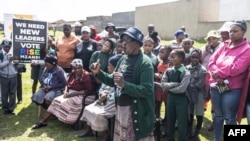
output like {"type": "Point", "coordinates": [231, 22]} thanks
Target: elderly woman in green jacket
{"type": "Point", "coordinates": [134, 81]}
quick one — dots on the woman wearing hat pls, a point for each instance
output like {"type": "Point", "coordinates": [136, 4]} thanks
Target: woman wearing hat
{"type": "Point", "coordinates": [110, 28]}
{"type": "Point", "coordinates": [179, 36]}
{"type": "Point", "coordinates": [213, 43]}
{"type": "Point", "coordinates": [134, 81]}
{"type": "Point", "coordinates": [68, 106]}
{"type": "Point", "coordinates": [52, 82]}
{"type": "Point", "coordinates": [228, 68]}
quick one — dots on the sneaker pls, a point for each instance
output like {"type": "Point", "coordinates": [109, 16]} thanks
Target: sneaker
{"type": "Point", "coordinates": [19, 102]}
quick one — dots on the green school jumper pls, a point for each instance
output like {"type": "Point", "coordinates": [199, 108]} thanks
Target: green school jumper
{"type": "Point", "coordinates": [177, 101]}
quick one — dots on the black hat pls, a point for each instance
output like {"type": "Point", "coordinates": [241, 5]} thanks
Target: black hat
{"type": "Point", "coordinates": [134, 33]}
{"type": "Point", "coordinates": [114, 59]}
{"type": "Point", "coordinates": [51, 59]}
{"type": "Point", "coordinates": [6, 43]}
{"type": "Point", "coordinates": [241, 24]}
{"type": "Point", "coordinates": [110, 25]}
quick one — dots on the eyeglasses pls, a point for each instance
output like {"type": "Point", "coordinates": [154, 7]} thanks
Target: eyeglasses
{"type": "Point", "coordinates": [127, 40]}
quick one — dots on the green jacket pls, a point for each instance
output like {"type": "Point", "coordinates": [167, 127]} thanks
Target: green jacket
{"type": "Point", "coordinates": [141, 91]}
{"type": "Point", "coordinates": [104, 58]}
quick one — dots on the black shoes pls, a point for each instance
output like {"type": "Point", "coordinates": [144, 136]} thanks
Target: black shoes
{"type": "Point", "coordinates": [19, 102]}
{"type": "Point", "coordinates": [86, 134]}
{"type": "Point", "coordinates": [9, 112]}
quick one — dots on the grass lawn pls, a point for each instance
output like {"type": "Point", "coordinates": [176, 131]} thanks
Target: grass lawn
{"type": "Point", "coordinates": [18, 128]}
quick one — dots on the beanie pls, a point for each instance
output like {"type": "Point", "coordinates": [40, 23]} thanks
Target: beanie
{"type": "Point", "coordinates": [241, 24]}
{"type": "Point", "coordinates": [51, 59]}
{"type": "Point", "coordinates": [114, 59]}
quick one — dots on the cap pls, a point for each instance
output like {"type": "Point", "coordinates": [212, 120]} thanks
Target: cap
{"type": "Point", "coordinates": [6, 43]}
{"type": "Point", "coordinates": [179, 32]}
{"type": "Point", "coordinates": [86, 29]}
{"type": "Point", "coordinates": [226, 27]}
{"type": "Point", "coordinates": [212, 33]}
{"type": "Point", "coordinates": [134, 33]}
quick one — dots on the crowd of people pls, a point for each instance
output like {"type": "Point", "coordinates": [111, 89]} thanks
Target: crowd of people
{"type": "Point", "coordinates": [126, 69]}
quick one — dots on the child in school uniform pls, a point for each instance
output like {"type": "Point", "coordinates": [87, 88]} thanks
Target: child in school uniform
{"type": "Point", "coordinates": [176, 80]}
{"type": "Point", "coordinates": [196, 91]}
{"type": "Point", "coordinates": [161, 68]}
{"type": "Point", "coordinates": [148, 47]}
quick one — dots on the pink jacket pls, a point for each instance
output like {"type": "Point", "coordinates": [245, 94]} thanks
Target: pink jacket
{"type": "Point", "coordinates": [231, 63]}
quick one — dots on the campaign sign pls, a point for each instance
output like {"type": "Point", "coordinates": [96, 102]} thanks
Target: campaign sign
{"type": "Point", "coordinates": [29, 38]}
{"type": "Point", "coordinates": [237, 132]}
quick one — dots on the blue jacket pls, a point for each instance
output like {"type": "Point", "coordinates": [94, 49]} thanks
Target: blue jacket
{"type": "Point", "coordinates": [58, 81]}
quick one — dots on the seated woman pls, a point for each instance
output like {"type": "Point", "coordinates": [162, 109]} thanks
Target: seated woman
{"type": "Point", "coordinates": [68, 106]}
{"type": "Point", "coordinates": [97, 114]}
{"type": "Point", "coordinates": [52, 82]}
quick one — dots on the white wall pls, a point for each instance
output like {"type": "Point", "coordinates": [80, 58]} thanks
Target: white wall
{"type": "Point", "coordinates": [231, 10]}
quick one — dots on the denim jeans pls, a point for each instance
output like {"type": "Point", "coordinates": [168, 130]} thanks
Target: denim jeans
{"type": "Point", "coordinates": [248, 113]}
{"type": "Point", "coordinates": [225, 108]}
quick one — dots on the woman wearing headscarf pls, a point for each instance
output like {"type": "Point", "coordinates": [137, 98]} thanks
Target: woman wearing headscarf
{"type": "Point", "coordinates": [68, 106]}
{"type": "Point", "coordinates": [52, 82]}
{"type": "Point", "coordinates": [228, 67]}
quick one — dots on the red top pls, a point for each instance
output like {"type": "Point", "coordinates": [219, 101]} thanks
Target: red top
{"type": "Point", "coordinates": [83, 83]}
{"type": "Point", "coordinates": [161, 68]}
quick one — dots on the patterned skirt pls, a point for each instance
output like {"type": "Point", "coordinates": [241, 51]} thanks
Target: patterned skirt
{"type": "Point", "coordinates": [97, 116]}
{"type": "Point", "coordinates": [123, 130]}
{"type": "Point", "coordinates": [66, 109]}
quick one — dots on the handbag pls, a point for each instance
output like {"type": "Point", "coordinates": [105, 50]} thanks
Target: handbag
{"type": "Point", "coordinates": [222, 87]}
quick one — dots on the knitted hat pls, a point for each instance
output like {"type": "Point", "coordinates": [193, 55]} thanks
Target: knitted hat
{"type": "Point", "coordinates": [114, 59]}
{"type": "Point", "coordinates": [134, 33]}
{"type": "Point", "coordinates": [51, 59]}
{"type": "Point", "coordinates": [241, 24]}
{"type": "Point", "coordinates": [76, 62]}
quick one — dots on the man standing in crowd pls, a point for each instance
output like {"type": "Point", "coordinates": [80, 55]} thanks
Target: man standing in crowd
{"type": "Point", "coordinates": [110, 28]}
{"type": "Point", "coordinates": [65, 46]}
{"type": "Point", "coordinates": [8, 78]}
{"type": "Point", "coordinates": [78, 27]}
